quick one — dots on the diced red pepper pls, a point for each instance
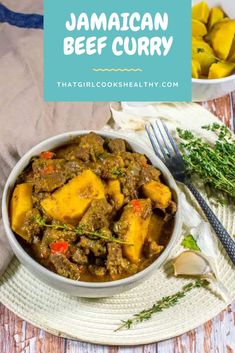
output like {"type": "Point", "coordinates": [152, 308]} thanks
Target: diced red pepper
{"type": "Point", "coordinates": [47, 155]}
{"type": "Point", "coordinates": [136, 204]}
{"type": "Point", "coordinates": [48, 169]}
{"type": "Point", "coordinates": [145, 164]}
{"type": "Point", "coordinates": [59, 247]}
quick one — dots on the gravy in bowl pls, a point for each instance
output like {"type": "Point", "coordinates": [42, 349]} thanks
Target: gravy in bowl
{"type": "Point", "coordinates": [92, 210]}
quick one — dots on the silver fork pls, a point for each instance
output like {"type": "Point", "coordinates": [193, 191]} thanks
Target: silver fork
{"type": "Point", "coordinates": [167, 150]}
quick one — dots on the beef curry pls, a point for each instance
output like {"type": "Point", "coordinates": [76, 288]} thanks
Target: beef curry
{"type": "Point", "coordinates": [92, 210]}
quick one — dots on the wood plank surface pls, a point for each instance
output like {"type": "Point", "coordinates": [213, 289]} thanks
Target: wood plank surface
{"type": "Point", "coordinates": [215, 336]}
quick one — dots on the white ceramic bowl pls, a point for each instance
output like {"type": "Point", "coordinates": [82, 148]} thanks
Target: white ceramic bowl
{"type": "Point", "coordinates": [203, 90]}
{"type": "Point", "coordinates": [79, 288]}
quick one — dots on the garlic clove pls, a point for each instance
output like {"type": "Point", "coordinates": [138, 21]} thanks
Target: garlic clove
{"type": "Point", "coordinates": [191, 263]}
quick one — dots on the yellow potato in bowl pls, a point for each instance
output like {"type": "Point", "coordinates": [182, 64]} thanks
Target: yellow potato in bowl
{"type": "Point", "coordinates": [196, 69]}
{"type": "Point", "coordinates": [201, 12]}
{"type": "Point", "coordinates": [137, 229]}
{"type": "Point", "coordinates": [198, 28]}
{"type": "Point", "coordinates": [216, 14]}
{"type": "Point", "coordinates": [69, 203]}
{"type": "Point", "coordinates": [221, 69]}
{"type": "Point", "coordinates": [213, 42]}
{"type": "Point", "coordinates": [203, 53]}
{"type": "Point", "coordinates": [221, 38]}
{"type": "Point", "coordinates": [21, 203]}
{"type": "Point", "coordinates": [231, 57]}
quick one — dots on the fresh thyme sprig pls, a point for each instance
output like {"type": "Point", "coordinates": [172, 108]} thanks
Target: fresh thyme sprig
{"type": "Point", "coordinates": [41, 222]}
{"type": "Point", "coordinates": [213, 163]}
{"type": "Point", "coordinates": [101, 234]}
{"type": "Point", "coordinates": [80, 230]}
{"type": "Point", "coordinates": [164, 303]}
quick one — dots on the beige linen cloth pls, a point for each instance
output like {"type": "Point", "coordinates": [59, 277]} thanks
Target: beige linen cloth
{"type": "Point", "coordinates": [25, 119]}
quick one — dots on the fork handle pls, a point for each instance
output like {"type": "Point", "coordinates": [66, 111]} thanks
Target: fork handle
{"type": "Point", "coordinates": [223, 235]}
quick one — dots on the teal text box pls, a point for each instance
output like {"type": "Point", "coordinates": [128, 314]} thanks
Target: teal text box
{"type": "Point", "coordinates": [107, 77]}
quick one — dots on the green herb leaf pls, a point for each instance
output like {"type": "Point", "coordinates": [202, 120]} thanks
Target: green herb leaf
{"type": "Point", "coordinates": [117, 173]}
{"type": "Point", "coordinates": [80, 230]}
{"type": "Point", "coordinates": [164, 303]}
{"type": "Point", "coordinates": [214, 164]}
{"type": "Point", "coordinates": [200, 50]}
{"type": "Point", "coordinates": [209, 55]}
{"type": "Point", "coordinates": [190, 243]}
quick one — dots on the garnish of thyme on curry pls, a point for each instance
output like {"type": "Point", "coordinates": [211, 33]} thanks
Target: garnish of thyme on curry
{"type": "Point", "coordinates": [162, 304]}
{"type": "Point", "coordinates": [214, 164]}
{"type": "Point", "coordinates": [117, 173]}
{"type": "Point", "coordinates": [79, 230]}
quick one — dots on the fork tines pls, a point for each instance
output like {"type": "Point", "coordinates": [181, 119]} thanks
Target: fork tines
{"type": "Point", "coordinates": [162, 140]}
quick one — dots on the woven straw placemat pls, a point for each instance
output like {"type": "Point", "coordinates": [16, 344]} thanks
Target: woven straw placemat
{"type": "Point", "coordinates": [94, 320]}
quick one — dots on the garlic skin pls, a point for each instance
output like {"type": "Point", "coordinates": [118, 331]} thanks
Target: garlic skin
{"type": "Point", "coordinates": [206, 240]}
{"type": "Point", "coordinates": [194, 263]}
{"type": "Point", "coordinates": [191, 263]}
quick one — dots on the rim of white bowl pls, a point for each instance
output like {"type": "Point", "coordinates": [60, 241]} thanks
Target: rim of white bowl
{"type": "Point", "coordinates": [214, 81]}
{"type": "Point", "coordinates": [18, 249]}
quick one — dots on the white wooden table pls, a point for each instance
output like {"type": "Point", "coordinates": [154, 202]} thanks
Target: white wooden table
{"type": "Point", "coordinates": [215, 336]}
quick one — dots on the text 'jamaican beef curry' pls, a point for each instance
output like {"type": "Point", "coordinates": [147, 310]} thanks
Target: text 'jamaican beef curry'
{"type": "Point", "coordinates": [92, 210]}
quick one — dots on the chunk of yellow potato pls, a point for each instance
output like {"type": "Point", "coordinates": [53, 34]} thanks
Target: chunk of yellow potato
{"type": "Point", "coordinates": [198, 28]}
{"type": "Point", "coordinates": [216, 14]}
{"type": "Point", "coordinates": [21, 203]}
{"type": "Point", "coordinates": [114, 190]}
{"type": "Point", "coordinates": [231, 56]}
{"type": "Point", "coordinates": [159, 193]}
{"type": "Point", "coordinates": [155, 228]}
{"type": "Point", "coordinates": [196, 69]}
{"type": "Point", "coordinates": [137, 224]}
{"type": "Point", "coordinates": [201, 12]}
{"type": "Point", "coordinates": [221, 69]}
{"type": "Point", "coordinates": [203, 53]}
{"type": "Point", "coordinates": [69, 203]}
{"type": "Point", "coordinates": [221, 38]}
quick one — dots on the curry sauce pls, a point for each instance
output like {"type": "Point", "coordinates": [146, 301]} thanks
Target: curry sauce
{"type": "Point", "coordinates": [92, 210]}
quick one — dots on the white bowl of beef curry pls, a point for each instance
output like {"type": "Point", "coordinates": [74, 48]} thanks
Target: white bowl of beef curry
{"type": "Point", "coordinates": [91, 213]}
